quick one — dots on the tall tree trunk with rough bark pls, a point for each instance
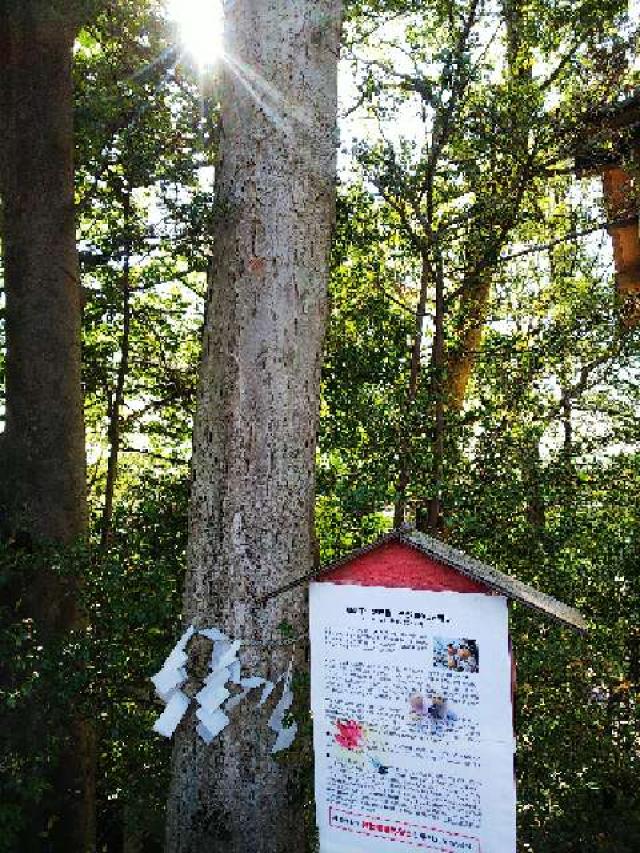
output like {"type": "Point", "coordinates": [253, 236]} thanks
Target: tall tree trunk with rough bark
{"type": "Point", "coordinates": [42, 463]}
{"type": "Point", "coordinates": [251, 522]}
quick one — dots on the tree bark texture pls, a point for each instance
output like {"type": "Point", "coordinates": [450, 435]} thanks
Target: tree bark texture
{"type": "Point", "coordinates": [44, 458]}
{"type": "Point", "coordinates": [42, 476]}
{"type": "Point", "coordinates": [251, 521]}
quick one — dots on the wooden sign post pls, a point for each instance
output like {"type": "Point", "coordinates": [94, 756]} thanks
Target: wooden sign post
{"type": "Point", "coordinates": [411, 695]}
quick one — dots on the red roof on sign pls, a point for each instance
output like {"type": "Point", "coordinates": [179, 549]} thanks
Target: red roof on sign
{"type": "Point", "coordinates": [408, 558]}
{"type": "Point", "coordinates": [394, 564]}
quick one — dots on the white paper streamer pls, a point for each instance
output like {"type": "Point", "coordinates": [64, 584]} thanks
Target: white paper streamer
{"type": "Point", "coordinates": [285, 734]}
{"type": "Point", "coordinates": [172, 674]}
{"type": "Point", "coordinates": [247, 684]}
{"type": "Point", "coordinates": [167, 721]}
{"type": "Point", "coordinates": [234, 672]}
{"type": "Point", "coordinates": [213, 634]}
{"type": "Point", "coordinates": [286, 737]}
{"type": "Point", "coordinates": [269, 687]}
{"type": "Point", "coordinates": [224, 668]}
{"type": "Point", "coordinates": [252, 682]}
{"type": "Point", "coordinates": [212, 696]}
{"type": "Point", "coordinates": [224, 654]}
{"type": "Point", "coordinates": [211, 723]}
{"type": "Point", "coordinates": [167, 682]}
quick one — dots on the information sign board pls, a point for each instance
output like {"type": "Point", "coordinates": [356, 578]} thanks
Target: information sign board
{"type": "Point", "coordinates": [413, 729]}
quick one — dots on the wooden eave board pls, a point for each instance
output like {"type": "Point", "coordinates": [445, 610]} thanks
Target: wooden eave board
{"type": "Point", "coordinates": [506, 584]}
{"type": "Point", "coordinates": [480, 572]}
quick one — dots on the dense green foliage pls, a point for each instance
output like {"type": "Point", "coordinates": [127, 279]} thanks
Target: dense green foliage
{"type": "Point", "coordinates": [132, 596]}
{"type": "Point", "coordinates": [540, 468]}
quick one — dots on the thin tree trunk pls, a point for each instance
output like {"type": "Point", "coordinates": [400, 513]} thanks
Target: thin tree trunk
{"type": "Point", "coordinates": [567, 424]}
{"type": "Point", "coordinates": [476, 294]}
{"type": "Point", "coordinates": [251, 520]}
{"type": "Point", "coordinates": [460, 363]}
{"type": "Point", "coordinates": [133, 835]}
{"type": "Point", "coordinates": [438, 387]}
{"type": "Point", "coordinates": [513, 18]}
{"type": "Point", "coordinates": [43, 490]}
{"type": "Point", "coordinates": [536, 511]}
{"type": "Point", "coordinates": [405, 443]}
{"type": "Point", "coordinates": [118, 396]}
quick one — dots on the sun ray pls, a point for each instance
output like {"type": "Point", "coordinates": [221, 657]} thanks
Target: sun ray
{"type": "Point", "coordinates": [200, 26]}
{"type": "Point", "coordinates": [255, 82]}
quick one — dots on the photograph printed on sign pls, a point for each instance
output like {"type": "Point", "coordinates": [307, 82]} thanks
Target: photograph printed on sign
{"type": "Point", "coordinates": [458, 654]}
{"type": "Point", "coordinates": [413, 735]}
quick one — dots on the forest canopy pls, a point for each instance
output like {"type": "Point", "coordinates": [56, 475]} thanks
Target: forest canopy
{"type": "Point", "coordinates": [480, 371]}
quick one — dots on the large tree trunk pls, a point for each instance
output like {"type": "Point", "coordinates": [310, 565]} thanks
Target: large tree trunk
{"type": "Point", "coordinates": [42, 488]}
{"type": "Point", "coordinates": [45, 458]}
{"type": "Point", "coordinates": [251, 524]}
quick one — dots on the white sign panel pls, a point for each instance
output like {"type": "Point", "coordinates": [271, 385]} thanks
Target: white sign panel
{"type": "Point", "coordinates": [413, 737]}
